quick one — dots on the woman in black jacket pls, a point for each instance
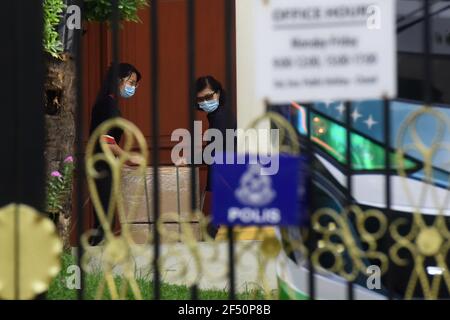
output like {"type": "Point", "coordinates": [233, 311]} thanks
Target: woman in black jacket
{"type": "Point", "coordinates": [106, 107]}
{"type": "Point", "coordinates": [211, 98]}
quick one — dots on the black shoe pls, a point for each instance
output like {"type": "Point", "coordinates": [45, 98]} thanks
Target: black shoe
{"type": "Point", "coordinates": [96, 238]}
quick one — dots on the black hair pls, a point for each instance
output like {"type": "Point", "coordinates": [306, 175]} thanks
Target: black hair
{"type": "Point", "coordinates": [124, 71]}
{"type": "Point", "coordinates": [211, 82]}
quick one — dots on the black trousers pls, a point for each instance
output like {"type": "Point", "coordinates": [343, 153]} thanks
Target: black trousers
{"type": "Point", "coordinates": [103, 185]}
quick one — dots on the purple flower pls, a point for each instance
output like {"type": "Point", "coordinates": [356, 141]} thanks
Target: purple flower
{"type": "Point", "coordinates": [69, 159]}
{"type": "Point", "coordinates": [56, 174]}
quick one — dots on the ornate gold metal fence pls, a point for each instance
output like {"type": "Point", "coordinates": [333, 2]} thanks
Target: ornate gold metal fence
{"type": "Point", "coordinates": [343, 242]}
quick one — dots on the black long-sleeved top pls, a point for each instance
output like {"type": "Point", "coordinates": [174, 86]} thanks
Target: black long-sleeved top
{"type": "Point", "coordinates": [220, 119]}
{"type": "Point", "coordinates": [103, 110]}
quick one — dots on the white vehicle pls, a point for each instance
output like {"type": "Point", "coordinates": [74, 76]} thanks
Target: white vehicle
{"type": "Point", "coordinates": [409, 194]}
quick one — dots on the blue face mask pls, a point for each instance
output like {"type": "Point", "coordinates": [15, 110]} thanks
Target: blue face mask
{"type": "Point", "coordinates": [209, 106]}
{"type": "Point", "coordinates": [128, 91]}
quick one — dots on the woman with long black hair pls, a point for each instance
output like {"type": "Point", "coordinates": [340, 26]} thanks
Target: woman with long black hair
{"type": "Point", "coordinates": [106, 108]}
{"type": "Point", "coordinates": [212, 99]}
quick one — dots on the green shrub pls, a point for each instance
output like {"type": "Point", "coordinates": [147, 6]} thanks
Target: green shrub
{"type": "Point", "coordinates": [100, 10]}
{"type": "Point", "coordinates": [53, 11]}
{"type": "Point", "coordinates": [58, 186]}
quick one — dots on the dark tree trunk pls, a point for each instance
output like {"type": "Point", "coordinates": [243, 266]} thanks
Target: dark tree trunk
{"type": "Point", "coordinates": [60, 108]}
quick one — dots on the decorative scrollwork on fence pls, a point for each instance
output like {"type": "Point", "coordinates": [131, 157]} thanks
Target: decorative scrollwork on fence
{"type": "Point", "coordinates": [190, 251]}
{"type": "Point", "coordinates": [117, 249]}
{"type": "Point", "coordinates": [424, 239]}
{"type": "Point", "coordinates": [339, 239]}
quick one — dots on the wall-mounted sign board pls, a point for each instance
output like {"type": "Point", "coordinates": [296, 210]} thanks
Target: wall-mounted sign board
{"type": "Point", "coordinates": [315, 50]}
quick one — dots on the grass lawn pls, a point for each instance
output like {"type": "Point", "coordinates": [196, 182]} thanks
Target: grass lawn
{"type": "Point", "coordinates": [59, 291]}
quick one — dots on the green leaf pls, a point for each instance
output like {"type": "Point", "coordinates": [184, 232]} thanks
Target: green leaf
{"type": "Point", "coordinates": [53, 10]}
{"type": "Point", "coordinates": [101, 10]}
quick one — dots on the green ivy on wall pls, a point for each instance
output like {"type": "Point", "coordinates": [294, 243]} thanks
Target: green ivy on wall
{"type": "Point", "coordinates": [53, 11]}
{"type": "Point", "coordinates": [94, 10]}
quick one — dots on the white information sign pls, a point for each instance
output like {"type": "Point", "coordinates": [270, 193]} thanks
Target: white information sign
{"type": "Point", "coordinates": [316, 50]}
